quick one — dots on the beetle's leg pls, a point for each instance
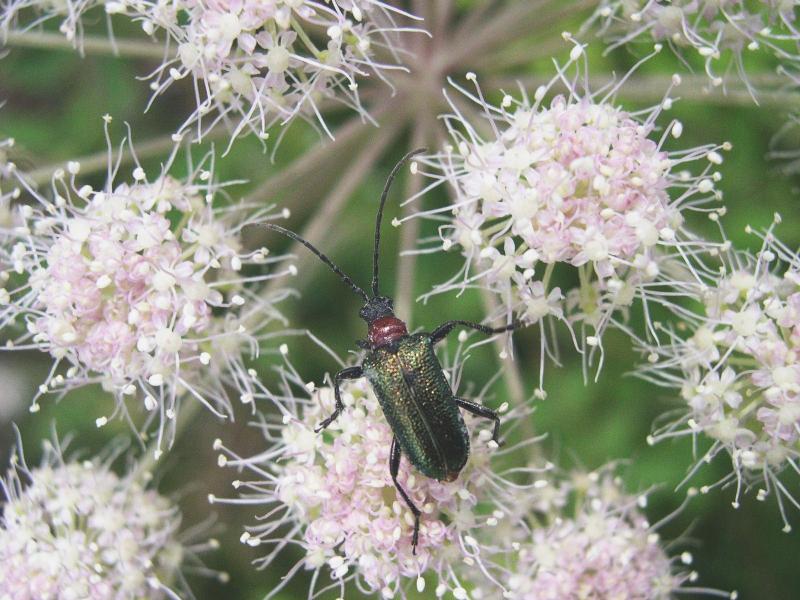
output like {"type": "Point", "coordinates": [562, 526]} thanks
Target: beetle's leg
{"type": "Point", "coordinates": [394, 469]}
{"type": "Point", "coordinates": [486, 413]}
{"type": "Point", "coordinates": [348, 373]}
{"type": "Point", "coordinates": [444, 329]}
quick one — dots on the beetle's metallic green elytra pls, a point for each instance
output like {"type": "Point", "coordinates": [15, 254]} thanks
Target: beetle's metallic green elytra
{"type": "Point", "coordinates": [419, 405]}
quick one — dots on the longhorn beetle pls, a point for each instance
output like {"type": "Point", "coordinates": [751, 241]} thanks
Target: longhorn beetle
{"type": "Point", "coordinates": [407, 378]}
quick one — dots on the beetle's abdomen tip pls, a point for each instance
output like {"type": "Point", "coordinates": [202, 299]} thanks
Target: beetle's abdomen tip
{"type": "Point", "coordinates": [451, 476]}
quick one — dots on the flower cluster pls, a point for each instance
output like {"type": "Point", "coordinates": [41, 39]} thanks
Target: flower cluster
{"type": "Point", "coordinates": [589, 539]}
{"type": "Point", "coordinates": [721, 32]}
{"type": "Point", "coordinates": [69, 12]}
{"type": "Point", "coordinates": [125, 285]}
{"type": "Point", "coordinates": [577, 182]}
{"type": "Point", "coordinates": [77, 530]}
{"type": "Point", "coordinates": [254, 63]}
{"type": "Point", "coordinates": [261, 63]}
{"type": "Point", "coordinates": [332, 495]}
{"type": "Point", "coordinates": [736, 363]}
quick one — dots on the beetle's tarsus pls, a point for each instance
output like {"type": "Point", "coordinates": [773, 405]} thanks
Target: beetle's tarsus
{"type": "Point", "coordinates": [496, 433]}
{"type": "Point", "coordinates": [415, 537]}
{"type": "Point", "coordinates": [394, 469]}
{"type": "Point", "coordinates": [328, 421]}
{"type": "Point", "coordinates": [487, 413]}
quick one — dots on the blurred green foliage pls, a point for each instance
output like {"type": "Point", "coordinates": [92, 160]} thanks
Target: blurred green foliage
{"type": "Point", "coordinates": [54, 100]}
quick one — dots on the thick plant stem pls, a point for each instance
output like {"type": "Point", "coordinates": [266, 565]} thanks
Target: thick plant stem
{"type": "Point", "coordinates": [86, 45]}
{"type": "Point", "coordinates": [407, 265]}
{"type": "Point", "coordinates": [306, 162]}
{"type": "Point", "coordinates": [99, 160]}
{"type": "Point", "coordinates": [309, 163]}
{"type": "Point", "coordinates": [319, 228]}
{"type": "Point", "coordinates": [518, 18]}
{"type": "Point", "coordinates": [511, 373]}
{"type": "Point", "coordinates": [516, 56]}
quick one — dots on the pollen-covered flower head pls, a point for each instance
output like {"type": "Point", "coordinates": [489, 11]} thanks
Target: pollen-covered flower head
{"type": "Point", "coordinates": [143, 286]}
{"type": "Point", "coordinates": [736, 362]}
{"type": "Point", "coordinates": [332, 494]}
{"type": "Point", "coordinates": [722, 32]}
{"type": "Point", "coordinates": [587, 538]}
{"type": "Point", "coordinates": [576, 182]}
{"type": "Point", "coordinates": [75, 529]}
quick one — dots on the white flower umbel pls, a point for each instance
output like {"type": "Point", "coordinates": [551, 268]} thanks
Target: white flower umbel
{"type": "Point", "coordinates": [257, 63]}
{"type": "Point", "coordinates": [587, 538]}
{"type": "Point", "coordinates": [736, 361]}
{"type": "Point", "coordinates": [331, 495]}
{"type": "Point", "coordinates": [721, 33]}
{"type": "Point", "coordinates": [143, 287]}
{"type": "Point", "coordinates": [76, 530]}
{"type": "Point", "coordinates": [578, 183]}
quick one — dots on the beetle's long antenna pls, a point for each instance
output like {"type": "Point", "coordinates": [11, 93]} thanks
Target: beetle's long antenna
{"type": "Point", "coordinates": [385, 193]}
{"type": "Point", "coordinates": [346, 278]}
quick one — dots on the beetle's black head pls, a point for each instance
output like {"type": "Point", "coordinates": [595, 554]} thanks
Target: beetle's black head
{"type": "Point", "coordinates": [377, 308]}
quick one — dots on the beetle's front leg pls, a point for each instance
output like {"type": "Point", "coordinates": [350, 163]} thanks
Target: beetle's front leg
{"type": "Point", "coordinates": [394, 469]}
{"type": "Point", "coordinates": [486, 413]}
{"type": "Point", "coordinates": [444, 329]}
{"type": "Point", "coordinates": [348, 373]}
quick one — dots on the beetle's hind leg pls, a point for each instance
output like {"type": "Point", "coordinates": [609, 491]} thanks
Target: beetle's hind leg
{"type": "Point", "coordinates": [394, 469]}
{"type": "Point", "coordinates": [486, 413]}
{"type": "Point", "coordinates": [348, 373]}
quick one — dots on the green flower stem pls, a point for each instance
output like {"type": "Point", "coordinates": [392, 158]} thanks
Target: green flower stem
{"type": "Point", "coordinates": [407, 265]}
{"type": "Point", "coordinates": [187, 413]}
{"type": "Point", "coordinates": [86, 45]}
{"type": "Point", "coordinates": [517, 18]}
{"type": "Point", "coordinates": [511, 373]}
{"type": "Point", "coordinates": [301, 33]}
{"type": "Point", "coordinates": [548, 273]}
{"type": "Point", "coordinates": [305, 164]}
